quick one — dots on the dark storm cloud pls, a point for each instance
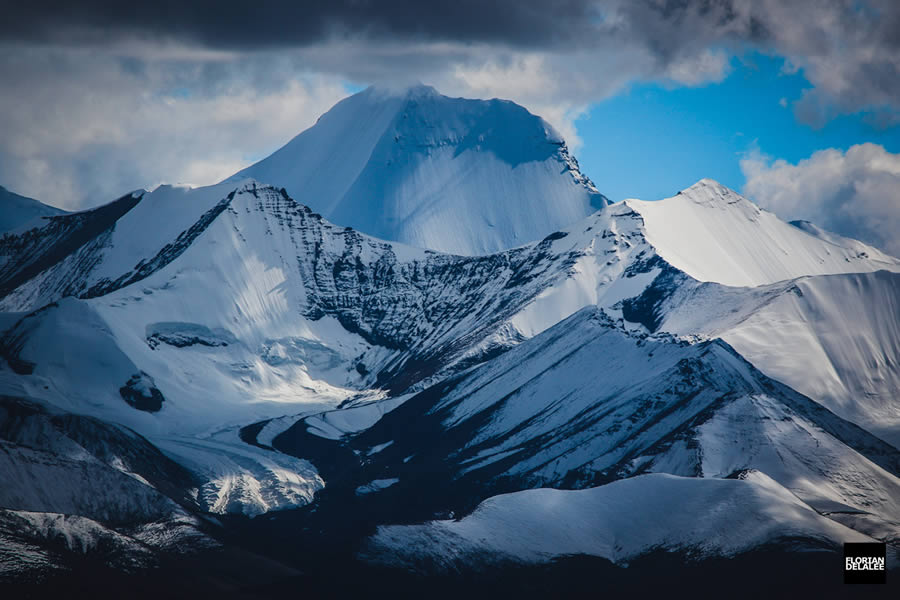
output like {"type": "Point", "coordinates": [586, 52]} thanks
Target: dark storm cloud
{"type": "Point", "coordinates": [849, 49]}
{"type": "Point", "coordinates": [267, 23]}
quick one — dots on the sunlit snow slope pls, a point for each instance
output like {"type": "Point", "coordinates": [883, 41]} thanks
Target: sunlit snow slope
{"type": "Point", "coordinates": [714, 234]}
{"type": "Point", "coordinates": [835, 338]}
{"type": "Point", "coordinates": [618, 521]}
{"type": "Point", "coordinates": [451, 174]}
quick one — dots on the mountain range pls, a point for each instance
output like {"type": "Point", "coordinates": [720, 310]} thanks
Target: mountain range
{"type": "Point", "coordinates": [416, 339]}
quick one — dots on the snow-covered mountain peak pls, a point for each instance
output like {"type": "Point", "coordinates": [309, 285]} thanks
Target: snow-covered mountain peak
{"type": "Point", "coordinates": [400, 91]}
{"type": "Point", "coordinates": [451, 174]}
{"type": "Point", "coordinates": [18, 211]}
{"type": "Point", "coordinates": [712, 233]}
{"type": "Point", "coordinates": [708, 186]}
{"type": "Point", "coordinates": [421, 89]}
{"type": "Point", "coordinates": [709, 193]}
{"type": "Point", "coordinates": [415, 91]}
{"type": "Point", "coordinates": [456, 117]}
{"type": "Point", "coordinates": [499, 127]}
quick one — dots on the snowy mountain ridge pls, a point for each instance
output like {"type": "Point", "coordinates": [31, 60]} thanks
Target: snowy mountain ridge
{"type": "Point", "coordinates": [409, 330]}
{"type": "Point", "coordinates": [758, 247]}
{"type": "Point", "coordinates": [619, 521]}
{"type": "Point", "coordinates": [20, 211]}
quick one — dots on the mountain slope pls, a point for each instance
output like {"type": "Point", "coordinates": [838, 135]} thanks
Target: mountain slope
{"type": "Point", "coordinates": [835, 338]}
{"type": "Point", "coordinates": [25, 255]}
{"type": "Point", "coordinates": [586, 403]}
{"type": "Point", "coordinates": [16, 210]}
{"type": "Point", "coordinates": [460, 176]}
{"type": "Point", "coordinates": [619, 521]}
{"type": "Point", "coordinates": [275, 278]}
{"type": "Point", "coordinates": [266, 299]}
{"type": "Point", "coordinates": [80, 487]}
{"type": "Point", "coordinates": [54, 455]}
{"type": "Point", "coordinates": [229, 294]}
{"type": "Point", "coordinates": [714, 234]}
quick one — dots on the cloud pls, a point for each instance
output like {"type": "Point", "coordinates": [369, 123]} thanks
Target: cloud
{"type": "Point", "coordinates": [86, 124]}
{"type": "Point", "coordinates": [854, 193]}
{"type": "Point", "coordinates": [100, 97]}
{"type": "Point", "coordinates": [82, 128]}
{"type": "Point", "coordinates": [849, 50]}
{"type": "Point", "coordinates": [287, 23]}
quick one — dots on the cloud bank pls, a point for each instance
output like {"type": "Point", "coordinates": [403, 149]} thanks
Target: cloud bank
{"type": "Point", "coordinates": [848, 48]}
{"type": "Point", "coordinates": [101, 96]}
{"type": "Point", "coordinates": [82, 128]}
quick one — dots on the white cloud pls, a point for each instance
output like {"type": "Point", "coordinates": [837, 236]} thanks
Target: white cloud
{"type": "Point", "coordinates": [561, 86]}
{"type": "Point", "coordinates": [558, 84]}
{"type": "Point", "coordinates": [705, 67]}
{"type": "Point", "coordinates": [849, 51]}
{"type": "Point", "coordinates": [81, 127]}
{"type": "Point", "coordinates": [854, 193]}
{"type": "Point", "coordinates": [86, 121]}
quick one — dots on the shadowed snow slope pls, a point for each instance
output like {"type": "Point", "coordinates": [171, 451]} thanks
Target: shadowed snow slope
{"type": "Point", "coordinates": [53, 457]}
{"type": "Point", "coordinates": [76, 486]}
{"type": "Point", "coordinates": [17, 211]}
{"type": "Point", "coordinates": [450, 174]}
{"type": "Point", "coordinates": [587, 402]}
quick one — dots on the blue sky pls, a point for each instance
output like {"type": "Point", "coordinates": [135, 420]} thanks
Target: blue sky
{"type": "Point", "coordinates": [653, 140]}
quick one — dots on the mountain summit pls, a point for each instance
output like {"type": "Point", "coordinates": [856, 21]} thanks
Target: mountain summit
{"type": "Point", "coordinates": [449, 174]}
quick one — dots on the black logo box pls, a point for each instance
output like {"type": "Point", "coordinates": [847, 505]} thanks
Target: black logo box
{"type": "Point", "coordinates": [862, 562]}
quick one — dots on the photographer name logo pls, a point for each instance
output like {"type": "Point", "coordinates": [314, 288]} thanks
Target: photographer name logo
{"type": "Point", "coordinates": [864, 563]}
